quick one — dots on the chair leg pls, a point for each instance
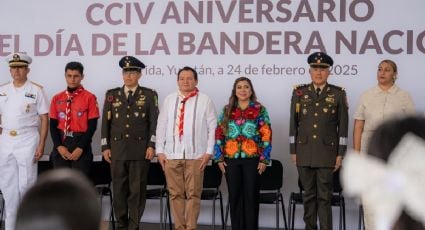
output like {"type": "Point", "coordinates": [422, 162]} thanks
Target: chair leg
{"type": "Point", "coordinates": [227, 214]}
{"type": "Point", "coordinates": [170, 223]}
{"type": "Point", "coordinates": [2, 209]}
{"type": "Point", "coordinates": [290, 211]}
{"type": "Point", "coordinates": [340, 213]}
{"type": "Point", "coordinates": [283, 210]}
{"type": "Point", "coordinates": [213, 214]}
{"type": "Point", "coordinates": [343, 213]}
{"type": "Point", "coordinates": [161, 213]}
{"type": "Point", "coordinates": [361, 218]}
{"type": "Point", "coordinates": [277, 211]}
{"type": "Point", "coordinates": [221, 210]}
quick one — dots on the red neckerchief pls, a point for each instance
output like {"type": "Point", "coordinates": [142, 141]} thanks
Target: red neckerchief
{"type": "Point", "coordinates": [69, 98]}
{"type": "Point", "coordinates": [181, 115]}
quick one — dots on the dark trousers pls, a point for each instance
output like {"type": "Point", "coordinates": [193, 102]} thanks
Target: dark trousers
{"type": "Point", "coordinates": [242, 182]}
{"type": "Point", "coordinates": [129, 180]}
{"type": "Point", "coordinates": [317, 183]}
{"type": "Point", "coordinates": [83, 164]}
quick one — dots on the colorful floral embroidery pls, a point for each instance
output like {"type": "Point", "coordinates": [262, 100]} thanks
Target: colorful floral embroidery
{"type": "Point", "coordinates": [248, 134]}
{"type": "Point", "coordinates": [231, 147]}
{"type": "Point", "coordinates": [266, 133]}
{"type": "Point", "coordinates": [249, 129]}
{"type": "Point", "coordinates": [249, 147]}
{"type": "Point", "coordinates": [233, 131]}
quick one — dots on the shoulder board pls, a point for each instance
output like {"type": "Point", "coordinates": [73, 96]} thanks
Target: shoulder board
{"type": "Point", "coordinates": [4, 83]}
{"type": "Point", "coordinates": [146, 89]}
{"type": "Point", "coordinates": [337, 87]}
{"type": "Point", "coordinates": [38, 85]}
{"type": "Point", "coordinates": [300, 86]}
{"type": "Point", "coordinates": [112, 90]}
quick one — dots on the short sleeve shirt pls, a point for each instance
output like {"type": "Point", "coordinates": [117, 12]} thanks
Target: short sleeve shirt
{"type": "Point", "coordinates": [20, 107]}
{"type": "Point", "coordinates": [377, 105]}
{"type": "Point", "coordinates": [83, 107]}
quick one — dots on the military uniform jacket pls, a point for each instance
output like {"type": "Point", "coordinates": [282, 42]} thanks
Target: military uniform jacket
{"type": "Point", "coordinates": [128, 130]}
{"type": "Point", "coordinates": [318, 125]}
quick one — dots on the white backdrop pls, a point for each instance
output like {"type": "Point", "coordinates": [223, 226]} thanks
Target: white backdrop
{"type": "Point", "coordinates": [265, 40]}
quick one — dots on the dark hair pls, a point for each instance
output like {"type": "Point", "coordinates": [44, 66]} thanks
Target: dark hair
{"type": "Point", "coordinates": [233, 101]}
{"type": "Point", "coordinates": [187, 68]}
{"type": "Point", "coordinates": [75, 66]}
{"type": "Point", "coordinates": [384, 140]}
{"type": "Point", "coordinates": [62, 199]}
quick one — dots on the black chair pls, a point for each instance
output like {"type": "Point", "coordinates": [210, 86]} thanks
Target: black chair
{"type": "Point", "coordinates": [44, 166]}
{"type": "Point", "coordinates": [337, 200]}
{"type": "Point", "coordinates": [157, 189]}
{"type": "Point", "coordinates": [211, 190]}
{"type": "Point", "coordinates": [271, 183]}
{"type": "Point", "coordinates": [100, 175]}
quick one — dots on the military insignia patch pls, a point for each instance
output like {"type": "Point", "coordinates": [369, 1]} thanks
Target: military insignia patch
{"type": "Point", "coordinates": [330, 100]}
{"type": "Point", "coordinates": [299, 92]}
{"type": "Point", "coordinates": [140, 102]}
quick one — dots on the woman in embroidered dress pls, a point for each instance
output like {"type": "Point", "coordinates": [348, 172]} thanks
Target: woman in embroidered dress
{"type": "Point", "coordinates": [242, 150]}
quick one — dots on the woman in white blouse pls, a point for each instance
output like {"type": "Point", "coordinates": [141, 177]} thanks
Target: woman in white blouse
{"type": "Point", "coordinates": [384, 101]}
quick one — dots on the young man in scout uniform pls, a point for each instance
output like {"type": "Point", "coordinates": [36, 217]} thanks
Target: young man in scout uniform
{"type": "Point", "coordinates": [128, 141]}
{"type": "Point", "coordinates": [24, 126]}
{"type": "Point", "coordinates": [318, 138]}
{"type": "Point", "coordinates": [73, 121]}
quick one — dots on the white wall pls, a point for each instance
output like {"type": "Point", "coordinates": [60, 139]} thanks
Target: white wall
{"type": "Point", "coordinates": [55, 32]}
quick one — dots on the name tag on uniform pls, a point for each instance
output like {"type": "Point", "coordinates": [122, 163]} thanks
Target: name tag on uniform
{"type": "Point", "coordinates": [30, 95]}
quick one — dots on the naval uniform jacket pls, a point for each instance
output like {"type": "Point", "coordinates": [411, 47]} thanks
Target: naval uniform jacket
{"type": "Point", "coordinates": [128, 130]}
{"type": "Point", "coordinates": [318, 125]}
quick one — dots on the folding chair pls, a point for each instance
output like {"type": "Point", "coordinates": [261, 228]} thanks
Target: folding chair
{"type": "Point", "coordinates": [271, 182]}
{"type": "Point", "coordinates": [157, 189]}
{"type": "Point", "coordinates": [211, 189]}
{"type": "Point", "coordinates": [100, 175]}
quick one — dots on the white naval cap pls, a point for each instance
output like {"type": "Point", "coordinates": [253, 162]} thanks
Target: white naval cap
{"type": "Point", "coordinates": [18, 59]}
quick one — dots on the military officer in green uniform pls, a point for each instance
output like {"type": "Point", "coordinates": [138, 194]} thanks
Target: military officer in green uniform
{"type": "Point", "coordinates": [128, 140]}
{"type": "Point", "coordinates": [318, 138]}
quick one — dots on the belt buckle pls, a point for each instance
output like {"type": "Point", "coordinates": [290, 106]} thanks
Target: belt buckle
{"type": "Point", "coordinates": [69, 134]}
{"type": "Point", "coordinates": [13, 133]}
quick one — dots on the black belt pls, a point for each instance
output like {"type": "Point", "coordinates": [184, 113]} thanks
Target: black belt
{"type": "Point", "coordinates": [73, 134]}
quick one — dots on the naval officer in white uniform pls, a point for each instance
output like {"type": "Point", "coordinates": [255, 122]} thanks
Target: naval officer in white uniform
{"type": "Point", "coordinates": [23, 126]}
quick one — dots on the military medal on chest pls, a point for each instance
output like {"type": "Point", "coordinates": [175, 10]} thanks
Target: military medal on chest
{"type": "Point", "coordinates": [141, 100]}
{"type": "Point", "coordinates": [27, 108]}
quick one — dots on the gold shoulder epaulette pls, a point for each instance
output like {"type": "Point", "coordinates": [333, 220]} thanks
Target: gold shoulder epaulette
{"type": "Point", "coordinates": [337, 87]}
{"type": "Point", "coordinates": [146, 89]}
{"type": "Point", "coordinates": [300, 86]}
{"type": "Point", "coordinates": [38, 85]}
